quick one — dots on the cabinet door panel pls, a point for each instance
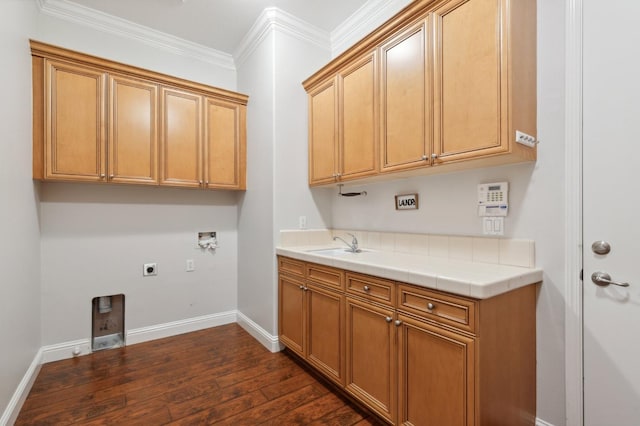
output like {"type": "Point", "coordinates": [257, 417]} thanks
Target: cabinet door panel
{"type": "Point", "coordinates": [436, 376]}
{"type": "Point", "coordinates": [133, 140]}
{"type": "Point", "coordinates": [291, 309]}
{"type": "Point", "coordinates": [224, 157]}
{"type": "Point", "coordinates": [325, 347]}
{"type": "Point", "coordinates": [75, 115]}
{"type": "Point", "coordinates": [470, 94]}
{"type": "Point", "coordinates": [358, 133]}
{"type": "Point", "coordinates": [323, 133]}
{"type": "Point", "coordinates": [181, 139]}
{"type": "Point", "coordinates": [371, 356]}
{"type": "Point", "coordinates": [406, 101]}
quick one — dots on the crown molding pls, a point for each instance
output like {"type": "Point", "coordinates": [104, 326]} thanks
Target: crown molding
{"type": "Point", "coordinates": [106, 23]}
{"type": "Point", "coordinates": [372, 14]}
{"type": "Point", "coordinates": [274, 19]}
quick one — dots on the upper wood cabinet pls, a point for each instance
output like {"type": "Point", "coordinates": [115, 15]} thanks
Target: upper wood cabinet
{"type": "Point", "coordinates": [406, 101]}
{"type": "Point", "coordinates": [181, 136]}
{"type": "Point", "coordinates": [133, 131]}
{"type": "Point", "coordinates": [343, 133]}
{"type": "Point", "coordinates": [224, 144]}
{"type": "Point", "coordinates": [75, 110]}
{"type": "Point", "coordinates": [454, 81]}
{"type": "Point", "coordinates": [96, 120]}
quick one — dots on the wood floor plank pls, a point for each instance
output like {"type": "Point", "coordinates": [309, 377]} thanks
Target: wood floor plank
{"type": "Point", "coordinates": [220, 375]}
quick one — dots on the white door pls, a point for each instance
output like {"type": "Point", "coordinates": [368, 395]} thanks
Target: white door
{"type": "Point", "coordinates": [611, 211]}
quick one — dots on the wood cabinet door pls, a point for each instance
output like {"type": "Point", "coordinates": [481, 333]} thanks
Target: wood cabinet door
{"type": "Point", "coordinates": [371, 373]}
{"type": "Point", "coordinates": [436, 377]}
{"type": "Point", "coordinates": [291, 313]}
{"type": "Point", "coordinates": [470, 79]}
{"type": "Point", "coordinates": [323, 133]}
{"type": "Point", "coordinates": [358, 118]}
{"type": "Point", "coordinates": [224, 144]}
{"type": "Point", "coordinates": [325, 340]}
{"type": "Point", "coordinates": [133, 130]}
{"type": "Point", "coordinates": [180, 138]}
{"type": "Point", "coordinates": [75, 117]}
{"type": "Point", "coordinates": [406, 112]}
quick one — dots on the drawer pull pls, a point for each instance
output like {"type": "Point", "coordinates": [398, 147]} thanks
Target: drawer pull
{"type": "Point", "coordinates": [301, 287]}
{"type": "Point", "coordinates": [431, 306]}
{"type": "Point", "coordinates": [398, 323]}
{"type": "Point", "coordinates": [388, 319]}
{"type": "Point", "coordinates": [366, 288]}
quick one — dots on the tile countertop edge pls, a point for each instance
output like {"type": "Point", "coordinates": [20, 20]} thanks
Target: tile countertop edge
{"type": "Point", "coordinates": [469, 283]}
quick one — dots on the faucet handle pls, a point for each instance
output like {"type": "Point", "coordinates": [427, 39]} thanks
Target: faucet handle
{"type": "Point", "coordinates": [354, 240]}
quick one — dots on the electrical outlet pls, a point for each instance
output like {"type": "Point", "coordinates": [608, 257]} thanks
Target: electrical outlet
{"type": "Point", "coordinates": [302, 222]}
{"type": "Point", "coordinates": [149, 269]}
{"type": "Point", "coordinates": [525, 139]}
{"type": "Point", "coordinates": [191, 265]}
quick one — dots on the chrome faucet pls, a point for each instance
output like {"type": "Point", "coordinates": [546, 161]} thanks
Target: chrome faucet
{"type": "Point", "coordinates": [353, 247]}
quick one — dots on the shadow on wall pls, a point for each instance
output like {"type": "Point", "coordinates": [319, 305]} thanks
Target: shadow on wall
{"type": "Point", "coordinates": [74, 209]}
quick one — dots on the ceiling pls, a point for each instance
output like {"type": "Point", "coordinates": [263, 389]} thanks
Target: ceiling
{"type": "Point", "coordinates": [220, 24]}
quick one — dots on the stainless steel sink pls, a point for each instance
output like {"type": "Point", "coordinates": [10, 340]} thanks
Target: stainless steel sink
{"type": "Point", "coordinates": [335, 251]}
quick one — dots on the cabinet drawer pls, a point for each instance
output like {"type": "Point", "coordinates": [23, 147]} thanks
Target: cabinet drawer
{"type": "Point", "coordinates": [290, 266]}
{"type": "Point", "coordinates": [325, 275]}
{"type": "Point", "coordinates": [371, 288]}
{"type": "Point", "coordinates": [436, 306]}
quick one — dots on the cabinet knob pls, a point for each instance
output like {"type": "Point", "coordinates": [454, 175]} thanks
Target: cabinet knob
{"type": "Point", "coordinates": [398, 323]}
{"type": "Point", "coordinates": [430, 306]}
{"type": "Point", "coordinates": [366, 288]}
{"type": "Point", "coordinates": [305, 289]}
{"type": "Point", "coordinates": [301, 287]}
{"type": "Point", "coordinates": [434, 156]}
{"type": "Point", "coordinates": [425, 157]}
{"type": "Point", "coordinates": [200, 182]}
{"type": "Point", "coordinates": [111, 176]}
{"type": "Point", "coordinates": [388, 319]}
{"type": "Point", "coordinates": [102, 175]}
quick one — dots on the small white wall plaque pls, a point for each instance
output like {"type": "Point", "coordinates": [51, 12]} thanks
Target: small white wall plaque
{"type": "Point", "coordinates": [407, 202]}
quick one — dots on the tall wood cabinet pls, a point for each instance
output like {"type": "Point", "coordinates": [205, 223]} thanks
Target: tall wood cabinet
{"type": "Point", "coordinates": [96, 120]}
{"type": "Point", "coordinates": [454, 81]}
{"type": "Point", "coordinates": [413, 355]}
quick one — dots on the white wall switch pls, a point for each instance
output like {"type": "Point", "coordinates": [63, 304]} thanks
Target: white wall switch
{"type": "Point", "coordinates": [302, 222]}
{"type": "Point", "coordinates": [191, 265]}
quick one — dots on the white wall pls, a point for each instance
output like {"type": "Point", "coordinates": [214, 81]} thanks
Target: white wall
{"type": "Point", "coordinates": [536, 204]}
{"type": "Point", "coordinates": [95, 238]}
{"type": "Point", "coordinates": [278, 192]}
{"type": "Point", "coordinates": [19, 228]}
{"type": "Point", "coordinates": [255, 216]}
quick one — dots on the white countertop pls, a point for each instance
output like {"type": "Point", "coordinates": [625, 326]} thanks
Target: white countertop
{"type": "Point", "coordinates": [473, 279]}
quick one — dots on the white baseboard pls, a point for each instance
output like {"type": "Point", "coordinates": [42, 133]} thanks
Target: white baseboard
{"type": "Point", "coordinates": [260, 334]}
{"type": "Point", "coordinates": [65, 350]}
{"type": "Point", "coordinates": [10, 414]}
{"type": "Point", "coordinates": [145, 334]}
{"type": "Point", "coordinates": [540, 422]}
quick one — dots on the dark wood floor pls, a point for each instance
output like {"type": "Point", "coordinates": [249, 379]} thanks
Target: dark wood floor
{"type": "Point", "coordinates": [216, 376]}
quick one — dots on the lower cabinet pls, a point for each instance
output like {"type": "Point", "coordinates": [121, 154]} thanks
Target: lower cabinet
{"type": "Point", "coordinates": [436, 375]}
{"type": "Point", "coordinates": [312, 324]}
{"type": "Point", "coordinates": [371, 356]}
{"type": "Point", "coordinates": [412, 355]}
